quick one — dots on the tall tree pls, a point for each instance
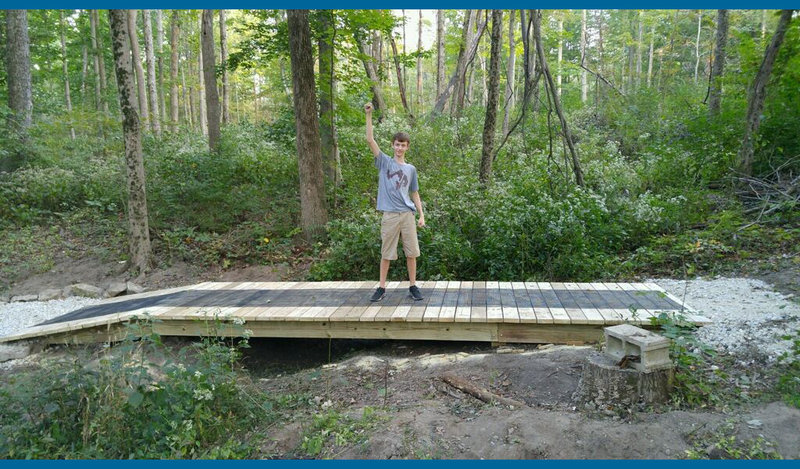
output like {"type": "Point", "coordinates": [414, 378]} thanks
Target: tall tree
{"type": "Point", "coordinates": [162, 107]}
{"type": "Point", "coordinates": [439, 52]}
{"type": "Point", "coordinates": [697, 43]}
{"type": "Point", "coordinates": [18, 66]}
{"type": "Point", "coordinates": [210, 78]}
{"type": "Point", "coordinates": [137, 65]}
{"type": "Point", "coordinates": [400, 80]}
{"type": "Point", "coordinates": [511, 67]}
{"type": "Point", "coordinates": [487, 153]}
{"type": "Point", "coordinates": [584, 77]}
{"type": "Point", "coordinates": [758, 93]}
{"type": "Point", "coordinates": [714, 82]}
{"type": "Point", "coordinates": [537, 32]}
{"type": "Point", "coordinates": [138, 229]}
{"type": "Point", "coordinates": [99, 63]}
{"type": "Point", "coordinates": [223, 52]}
{"type": "Point", "coordinates": [461, 67]}
{"type": "Point", "coordinates": [201, 89]}
{"type": "Point", "coordinates": [419, 63]}
{"type": "Point", "coordinates": [650, 60]}
{"type": "Point", "coordinates": [327, 89]}
{"type": "Point", "coordinates": [375, 82]}
{"type": "Point", "coordinates": [173, 70]}
{"type": "Point", "coordinates": [65, 68]}
{"type": "Point", "coordinates": [639, 50]}
{"type": "Point", "coordinates": [155, 117]}
{"type": "Point", "coordinates": [560, 50]}
{"type": "Point", "coordinates": [460, 89]}
{"type": "Point", "coordinates": [313, 213]}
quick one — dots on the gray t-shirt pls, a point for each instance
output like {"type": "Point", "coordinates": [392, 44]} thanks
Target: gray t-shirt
{"type": "Point", "coordinates": [395, 181]}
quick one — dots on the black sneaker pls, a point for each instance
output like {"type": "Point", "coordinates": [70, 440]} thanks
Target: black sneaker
{"type": "Point", "coordinates": [415, 293]}
{"type": "Point", "coordinates": [378, 295]}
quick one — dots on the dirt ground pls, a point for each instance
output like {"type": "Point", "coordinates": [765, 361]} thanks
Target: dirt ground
{"type": "Point", "coordinates": [422, 417]}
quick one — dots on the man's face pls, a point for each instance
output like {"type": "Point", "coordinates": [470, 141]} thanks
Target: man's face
{"type": "Point", "coordinates": [399, 147]}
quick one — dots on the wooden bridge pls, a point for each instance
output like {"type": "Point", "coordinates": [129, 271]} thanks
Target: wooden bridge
{"type": "Point", "coordinates": [500, 312]}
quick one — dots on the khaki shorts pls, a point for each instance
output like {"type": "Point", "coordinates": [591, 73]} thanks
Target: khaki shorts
{"type": "Point", "coordinates": [395, 225]}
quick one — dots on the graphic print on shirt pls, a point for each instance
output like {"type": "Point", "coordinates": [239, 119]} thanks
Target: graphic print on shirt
{"type": "Point", "coordinates": [402, 179]}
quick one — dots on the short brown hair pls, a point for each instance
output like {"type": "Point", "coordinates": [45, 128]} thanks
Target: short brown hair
{"type": "Point", "coordinates": [401, 137]}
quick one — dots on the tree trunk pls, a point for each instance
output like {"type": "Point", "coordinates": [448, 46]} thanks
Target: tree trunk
{"type": "Point", "coordinates": [419, 64]}
{"type": "Point", "coordinates": [697, 44]}
{"type": "Point", "coordinates": [461, 84]}
{"type": "Point", "coordinates": [138, 230]}
{"type": "Point", "coordinates": [201, 91]}
{"type": "Point", "coordinates": [650, 60]}
{"type": "Point", "coordinates": [327, 87]}
{"type": "Point", "coordinates": [223, 43]}
{"type": "Point", "coordinates": [439, 53]}
{"type": "Point", "coordinates": [98, 92]}
{"type": "Point", "coordinates": [529, 62]}
{"type": "Point", "coordinates": [560, 51]}
{"type": "Point", "coordinates": [604, 383]}
{"type": "Point", "coordinates": [137, 65]}
{"type": "Point", "coordinates": [400, 79]}
{"type": "Point", "coordinates": [160, 45]}
{"type": "Point", "coordinates": [314, 214]}
{"type": "Point", "coordinates": [763, 24]}
{"type": "Point", "coordinates": [173, 70]}
{"type": "Point", "coordinates": [639, 51]}
{"type": "Point", "coordinates": [758, 93]}
{"type": "Point", "coordinates": [715, 80]}
{"type": "Point", "coordinates": [487, 155]}
{"type": "Point", "coordinates": [84, 70]}
{"type": "Point", "coordinates": [510, 69]}
{"type": "Point", "coordinates": [375, 83]}
{"type": "Point", "coordinates": [405, 49]}
{"type": "Point", "coordinates": [576, 165]}
{"type": "Point", "coordinates": [584, 77]}
{"type": "Point", "coordinates": [210, 78]}
{"type": "Point", "coordinates": [155, 116]}
{"type": "Point", "coordinates": [18, 66]}
{"type": "Point", "coordinates": [461, 67]}
{"type": "Point", "coordinates": [65, 69]}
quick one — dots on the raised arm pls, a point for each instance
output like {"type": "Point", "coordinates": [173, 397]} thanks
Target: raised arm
{"type": "Point", "coordinates": [370, 139]}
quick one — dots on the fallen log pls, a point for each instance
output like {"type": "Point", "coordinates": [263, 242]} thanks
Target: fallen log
{"type": "Point", "coordinates": [478, 392]}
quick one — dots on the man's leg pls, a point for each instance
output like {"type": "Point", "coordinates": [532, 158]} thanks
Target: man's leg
{"type": "Point", "coordinates": [411, 263]}
{"type": "Point", "coordinates": [384, 271]}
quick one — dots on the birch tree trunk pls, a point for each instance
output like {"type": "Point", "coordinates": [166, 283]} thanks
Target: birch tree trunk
{"type": "Point", "coordinates": [98, 91]}
{"type": "Point", "coordinates": [210, 78]}
{"type": "Point", "coordinates": [439, 53]}
{"type": "Point", "coordinates": [173, 70]}
{"type": "Point", "coordinates": [155, 116]}
{"type": "Point", "coordinates": [489, 123]}
{"type": "Point", "coordinates": [137, 66]}
{"type": "Point", "coordinates": [510, 69]}
{"type": "Point", "coordinates": [223, 48]}
{"type": "Point", "coordinates": [461, 84]}
{"type": "Point", "coordinates": [138, 229]}
{"type": "Point", "coordinates": [314, 214]}
{"type": "Point", "coordinates": [639, 52]}
{"type": "Point", "coordinates": [576, 165]}
{"type": "Point", "coordinates": [162, 100]}
{"type": "Point", "coordinates": [697, 44]}
{"type": "Point", "coordinates": [84, 70]}
{"type": "Point", "coordinates": [650, 60]}
{"type": "Point", "coordinates": [18, 66]}
{"type": "Point", "coordinates": [419, 64]}
{"type": "Point", "coordinates": [65, 69]}
{"type": "Point", "coordinates": [461, 67]}
{"type": "Point", "coordinates": [584, 78]}
{"type": "Point", "coordinates": [560, 51]}
{"type": "Point", "coordinates": [715, 80]}
{"type": "Point", "coordinates": [758, 93]}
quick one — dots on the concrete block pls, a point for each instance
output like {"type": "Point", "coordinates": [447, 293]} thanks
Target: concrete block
{"type": "Point", "coordinates": [86, 290]}
{"type": "Point", "coordinates": [116, 289]}
{"type": "Point", "coordinates": [14, 351]}
{"type": "Point", "coordinates": [50, 294]}
{"type": "Point", "coordinates": [651, 349]}
{"type": "Point", "coordinates": [134, 288]}
{"type": "Point", "coordinates": [14, 299]}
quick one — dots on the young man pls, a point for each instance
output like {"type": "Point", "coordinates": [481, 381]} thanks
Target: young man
{"type": "Point", "coordinates": [398, 199]}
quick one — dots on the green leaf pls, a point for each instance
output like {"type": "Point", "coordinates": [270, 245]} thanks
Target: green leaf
{"type": "Point", "coordinates": [135, 398]}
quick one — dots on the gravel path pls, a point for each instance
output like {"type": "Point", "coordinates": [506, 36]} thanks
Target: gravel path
{"type": "Point", "coordinates": [748, 316]}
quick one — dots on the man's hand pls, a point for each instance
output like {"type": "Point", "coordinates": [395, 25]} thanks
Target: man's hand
{"type": "Point", "coordinates": [421, 221]}
{"type": "Point", "coordinates": [368, 108]}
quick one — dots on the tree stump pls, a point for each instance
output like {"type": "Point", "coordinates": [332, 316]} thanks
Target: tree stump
{"type": "Point", "coordinates": [603, 382]}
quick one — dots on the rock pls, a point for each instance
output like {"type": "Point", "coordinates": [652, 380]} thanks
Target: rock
{"type": "Point", "coordinates": [14, 299]}
{"type": "Point", "coordinates": [133, 288]}
{"type": "Point", "coordinates": [86, 290]}
{"type": "Point", "coordinates": [116, 289]}
{"type": "Point", "coordinates": [50, 294]}
{"type": "Point", "coordinates": [754, 423]}
{"type": "Point", "coordinates": [66, 292]}
{"type": "Point", "coordinates": [14, 351]}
